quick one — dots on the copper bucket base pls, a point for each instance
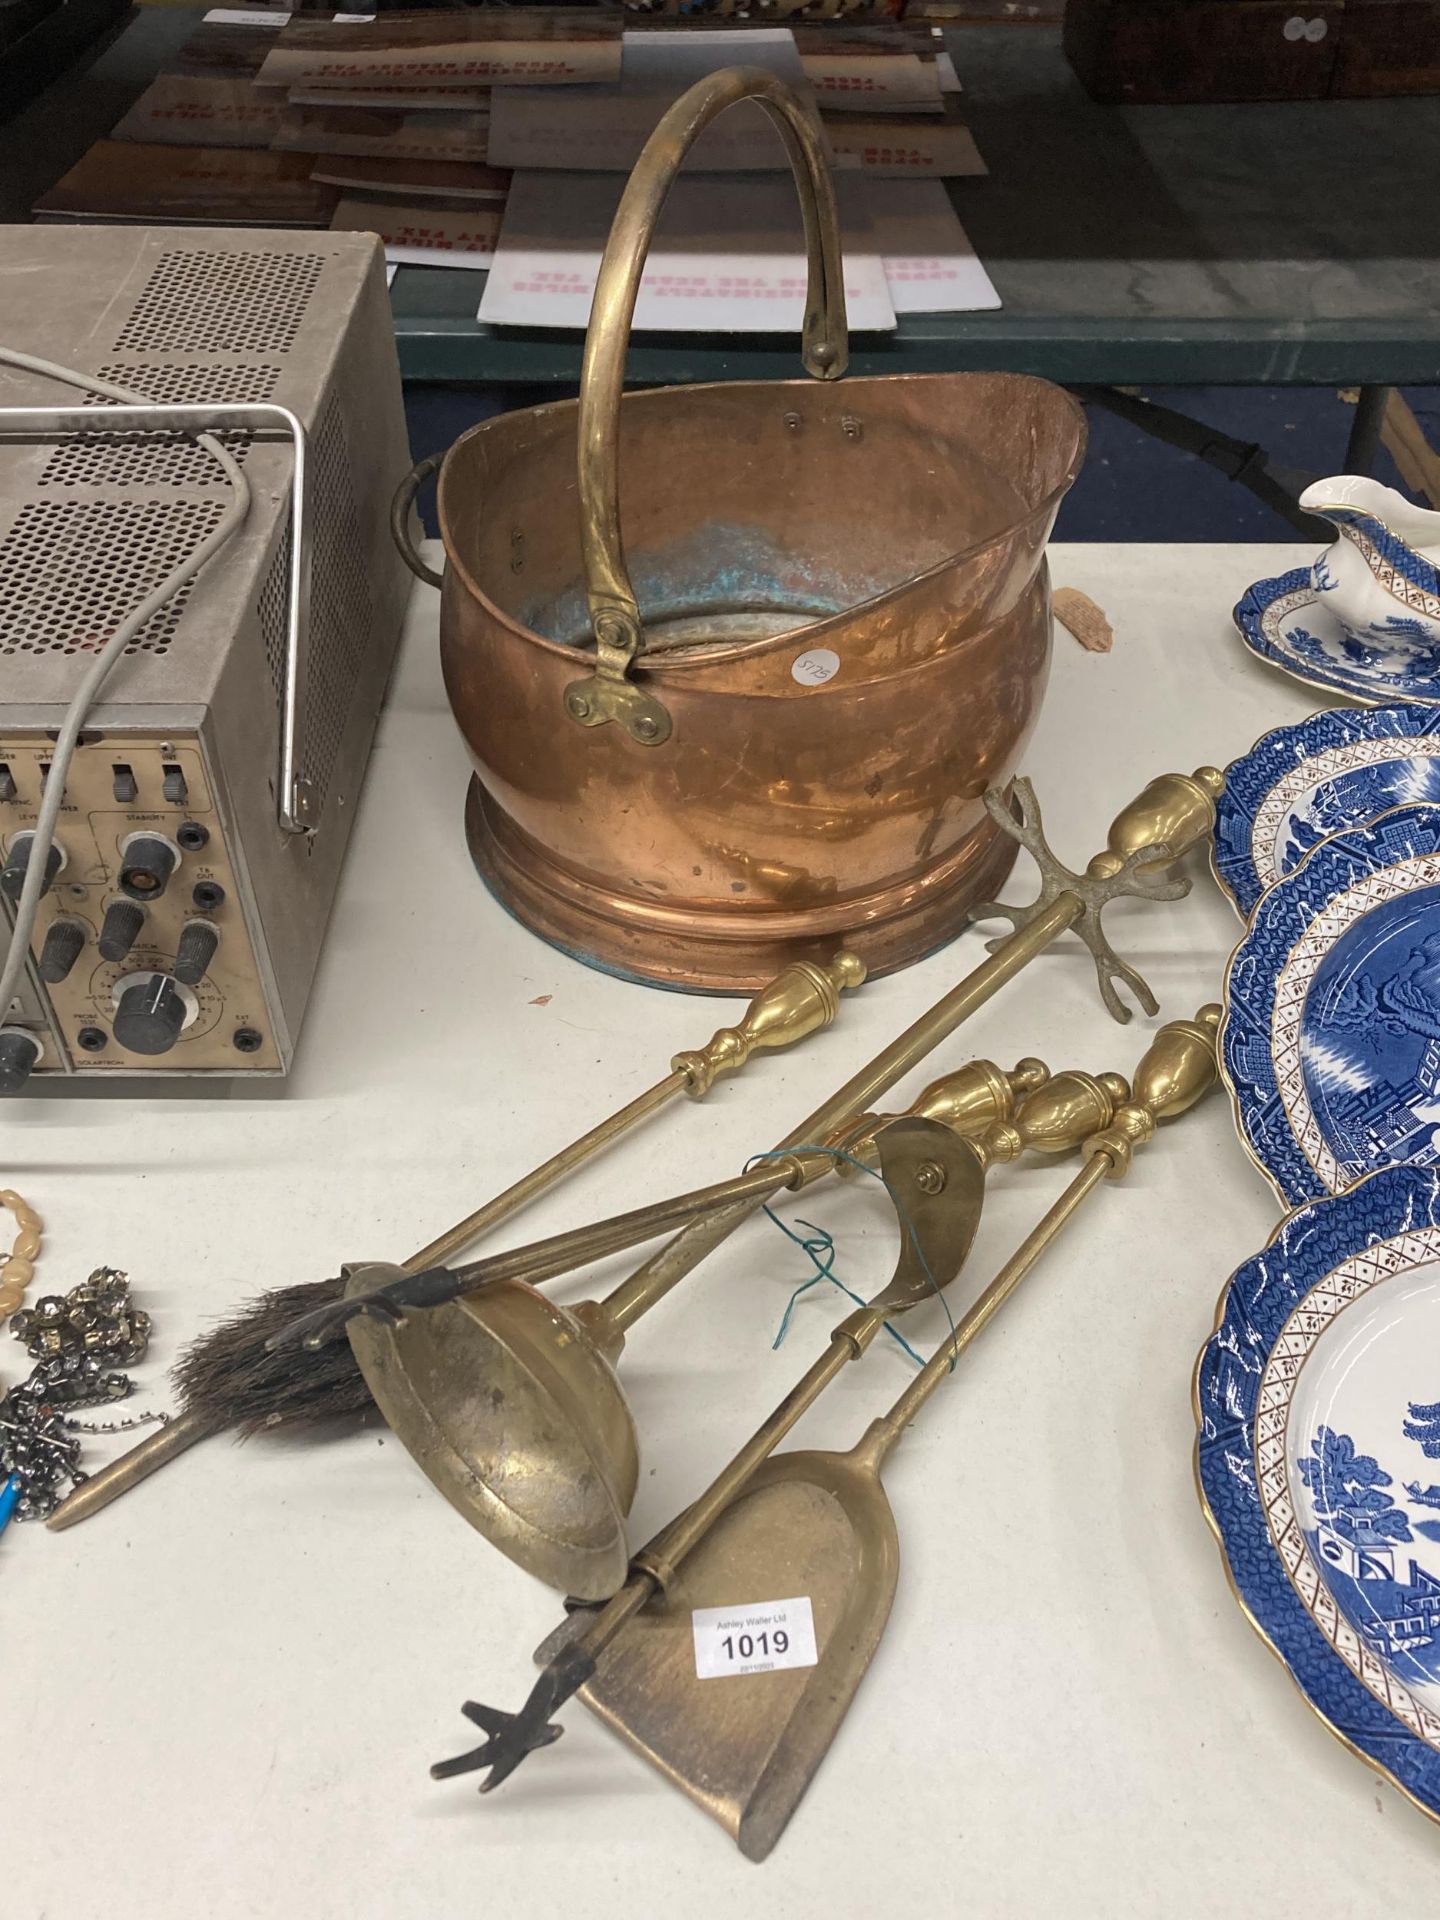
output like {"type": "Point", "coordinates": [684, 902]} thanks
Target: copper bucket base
{"type": "Point", "coordinates": [701, 950]}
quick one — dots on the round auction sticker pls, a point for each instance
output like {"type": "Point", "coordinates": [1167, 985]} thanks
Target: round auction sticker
{"type": "Point", "coordinates": [814, 668]}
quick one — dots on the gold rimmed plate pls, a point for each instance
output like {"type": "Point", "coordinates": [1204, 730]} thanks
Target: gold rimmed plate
{"type": "Point", "coordinates": [1317, 1402]}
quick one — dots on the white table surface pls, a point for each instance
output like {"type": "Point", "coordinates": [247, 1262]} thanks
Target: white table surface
{"type": "Point", "coordinates": [220, 1698]}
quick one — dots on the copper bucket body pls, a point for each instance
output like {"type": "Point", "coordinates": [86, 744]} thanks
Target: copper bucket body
{"type": "Point", "coordinates": [844, 604]}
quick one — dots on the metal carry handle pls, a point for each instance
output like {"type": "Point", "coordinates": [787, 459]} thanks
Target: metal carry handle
{"type": "Point", "coordinates": [294, 793]}
{"type": "Point", "coordinates": [400, 508]}
{"type": "Point", "coordinates": [608, 694]}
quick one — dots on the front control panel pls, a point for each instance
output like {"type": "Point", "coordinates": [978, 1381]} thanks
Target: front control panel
{"type": "Point", "coordinates": [141, 943]}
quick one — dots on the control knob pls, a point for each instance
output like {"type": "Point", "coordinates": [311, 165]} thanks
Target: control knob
{"type": "Point", "coordinates": [17, 861]}
{"type": "Point", "coordinates": [149, 1014]}
{"type": "Point", "coordinates": [198, 941]}
{"type": "Point", "coordinates": [19, 1051]}
{"type": "Point", "coordinates": [120, 929]}
{"type": "Point", "coordinates": [64, 943]}
{"type": "Point", "coordinates": [147, 863]}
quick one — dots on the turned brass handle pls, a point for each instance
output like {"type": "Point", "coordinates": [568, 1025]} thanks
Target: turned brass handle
{"type": "Point", "coordinates": [614, 611]}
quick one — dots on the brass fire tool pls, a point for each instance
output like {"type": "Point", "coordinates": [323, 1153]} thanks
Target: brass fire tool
{"type": "Point", "coordinates": [511, 1403]}
{"type": "Point", "coordinates": [815, 1525]}
{"type": "Point", "coordinates": [563, 1518]}
{"type": "Point", "coordinates": [1168, 818]}
{"type": "Point", "coordinates": [1173, 814]}
{"type": "Point", "coordinates": [801, 1000]}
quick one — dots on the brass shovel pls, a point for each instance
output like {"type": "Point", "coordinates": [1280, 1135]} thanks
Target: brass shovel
{"type": "Point", "coordinates": [770, 1529]}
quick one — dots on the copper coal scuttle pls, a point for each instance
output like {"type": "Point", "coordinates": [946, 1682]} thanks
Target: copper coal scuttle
{"type": "Point", "coordinates": [737, 662]}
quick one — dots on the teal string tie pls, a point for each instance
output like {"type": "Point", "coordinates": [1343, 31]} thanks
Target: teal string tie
{"type": "Point", "coordinates": [820, 1249]}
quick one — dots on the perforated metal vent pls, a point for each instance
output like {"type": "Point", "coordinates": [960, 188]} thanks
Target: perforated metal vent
{"type": "Point", "coordinates": [341, 609]}
{"type": "Point", "coordinates": [272, 609]}
{"type": "Point", "coordinates": [71, 571]}
{"type": "Point", "coordinates": [138, 460]}
{"type": "Point", "coordinates": [164, 380]}
{"type": "Point", "coordinates": [157, 459]}
{"type": "Point", "coordinates": [221, 301]}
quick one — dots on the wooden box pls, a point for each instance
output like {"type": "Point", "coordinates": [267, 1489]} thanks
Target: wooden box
{"type": "Point", "coordinates": [1128, 51]}
{"type": "Point", "coordinates": [1389, 47]}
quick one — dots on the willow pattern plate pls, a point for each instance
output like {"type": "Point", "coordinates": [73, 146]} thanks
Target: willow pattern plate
{"type": "Point", "coordinates": [1330, 1042]}
{"type": "Point", "coordinates": [1300, 784]}
{"type": "Point", "coordinates": [1317, 1403]}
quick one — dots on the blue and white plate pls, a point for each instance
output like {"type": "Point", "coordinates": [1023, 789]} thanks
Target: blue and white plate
{"type": "Point", "coordinates": [1331, 1038]}
{"type": "Point", "coordinates": [1317, 1402]}
{"type": "Point", "coordinates": [1338, 769]}
{"type": "Point", "coordinates": [1284, 621]}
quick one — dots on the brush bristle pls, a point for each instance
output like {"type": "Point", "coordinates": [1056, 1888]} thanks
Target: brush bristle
{"type": "Point", "coordinates": [228, 1376]}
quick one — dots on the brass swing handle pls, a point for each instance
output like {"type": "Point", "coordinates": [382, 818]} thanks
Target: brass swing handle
{"type": "Point", "coordinates": [608, 694]}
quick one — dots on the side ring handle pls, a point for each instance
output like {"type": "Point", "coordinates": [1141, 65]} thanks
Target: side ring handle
{"type": "Point", "coordinates": [400, 508]}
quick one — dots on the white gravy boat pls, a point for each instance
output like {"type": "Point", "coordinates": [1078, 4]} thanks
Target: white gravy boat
{"type": "Point", "coordinates": [1381, 577]}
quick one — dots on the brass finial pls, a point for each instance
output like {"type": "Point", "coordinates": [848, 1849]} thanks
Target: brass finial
{"type": "Point", "coordinates": [969, 1101]}
{"type": "Point", "coordinates": [801, 1000]}
{"type": "Point", "coordinates": [1180, 1064]}
{"type": "Point", "coordinates": [1176, 812]}
{"type": "Point", "coordinates": [1059, 1117]}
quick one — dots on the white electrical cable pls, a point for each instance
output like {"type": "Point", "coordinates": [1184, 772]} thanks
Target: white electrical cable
{"type": "Point", "coordinates": [100, 668]}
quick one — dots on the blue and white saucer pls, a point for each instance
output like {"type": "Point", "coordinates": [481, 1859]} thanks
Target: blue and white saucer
{"type": "Point", "coordinates": [1317, 1403]}
{"type": "Point", "coordinates": [1338, 769]}
{"type": "Point", "coordinates": [1285, 622]}
{"type": "Point", "coordinates": [1330, 1042]}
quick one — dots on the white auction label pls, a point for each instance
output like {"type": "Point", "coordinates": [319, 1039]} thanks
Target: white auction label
{"type": "Point", "coordinates": [758, 1638]}
{"type": "Point", "coordinates": [814, 668]}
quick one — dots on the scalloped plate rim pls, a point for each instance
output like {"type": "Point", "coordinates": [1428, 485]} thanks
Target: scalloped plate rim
{"type": "Point", "coordinates": [1261, 1610]}
{"type": "Point", "coordinates": [1238, 1101]}
{"type": "Point", "coordinates": [1248, 614]}
{"type": "Point", "coordinates": [1353, 723]}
